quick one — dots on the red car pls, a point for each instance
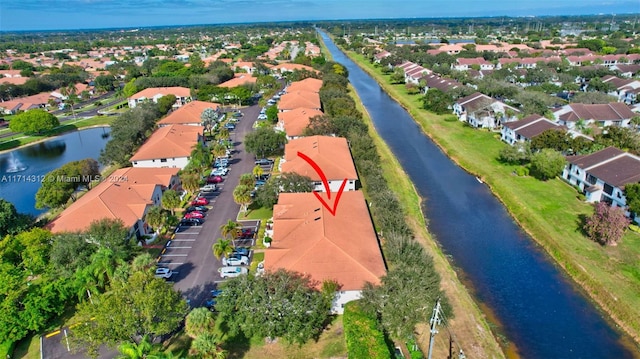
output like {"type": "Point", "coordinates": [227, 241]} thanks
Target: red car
{"type": "Point", "coordinates": [214, 179]}
{"type": "Point", "coordinates": [194, 214]}
{"type": "Point", "coordinates": [200, 201]}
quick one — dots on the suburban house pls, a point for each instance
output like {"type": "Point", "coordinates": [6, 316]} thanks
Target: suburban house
{"type": "Point", "coordinates": [309, 84]}
{"type": "Point", "coordinates": [239, 79]}
{"type": "Point", "coordinates": [189, 114]}
{"type": "Point", "coordinates": [299, 99]}
{"type": "Point", "coordinates": [602, 175]}
{"type": "Point", "coordinates": [381, 55]}
{"type": "Point", "coordinates": [333, 156]}
{"type": "Point", "coordinates": [611, 114]}
{"type": "Point", "coordinates": [288, 67]}
{"type": "Point", "coordinates": [413, 72]}
{"type": "Point", "coordinates": [482, 111]}
{"type": "Point", "coordinates": [246, 66]}
{"type": "Point", "coordinates": [168, 146]}
{"type": "Point", "coordinates": [293, 122]}
{"type": "Point", "coordinates": [126, 194]}
{"type": "Point", "coordinates": [626, 90]}
{"type": "Point", "coordinates": [433, 81]}
{"type": "Point", "coordinates": [526, 129]}
{"type": "Point", "coordinates": [182, 94]}
{"type": "Point", "coordinates": [343, 247]}
{"type": "Point", "coordinates": [464, 64]}
{"type": "Point", "coordinates": [12, 107]}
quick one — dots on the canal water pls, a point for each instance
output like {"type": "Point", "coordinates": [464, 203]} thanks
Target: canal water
{"type": "Point", "coordinates": [539, 309]}
{"type": "Point", "coordinates": [22, 169]}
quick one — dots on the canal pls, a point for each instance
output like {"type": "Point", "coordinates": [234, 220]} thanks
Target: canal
{"type": "Point", "coordinates": [540, 311]}
{"type": "Point", "coordinates": [20, 169]}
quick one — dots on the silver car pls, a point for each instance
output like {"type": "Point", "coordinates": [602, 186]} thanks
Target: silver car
{"type": "Point", "coordinates": [235, 261]}
{"type": "Point", "coordinates": [232, 272]}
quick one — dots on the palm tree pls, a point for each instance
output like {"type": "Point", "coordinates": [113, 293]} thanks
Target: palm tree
{"type": "Point", "coordinates": [155, 218]}
{"type": "Point", "coordinates": [258, 171]}
{"type": "Point", "coordinates": [222, 247]}
{"type": "Point", "coordinates": [170, 200]}
{"type": "Point", "coordinates": [230, 229]}
{"type": "Point", "coordinates": [71, 98]}
{"type": "Point", "coordinates": [219, 150]}
{"type": "Point", "coordinates": [143, 262]}
{"type": "Point", "coordinates": [247, 179]}
{"type": "Point", "coordinates": [242, 196]}
{"type": "Point", "coordinates": [208, 346]}
{"type": "Point", "coordinates": [130, 350]}
{"type": "Point", "coordinates": [190, 181]}
{"type": "Point", "coordinates": [198, 322]}
{"type": "Point", "coordinates": [103, 266]}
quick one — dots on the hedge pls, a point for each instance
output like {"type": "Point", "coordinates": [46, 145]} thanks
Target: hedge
{"type": "Point", "coordinates": [364, 339]}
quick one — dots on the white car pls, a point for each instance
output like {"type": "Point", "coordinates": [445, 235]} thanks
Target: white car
{"type": "Point", "coordinates": [220, 171]}
{"type": "Point", "coordinates": [262, 116]}
{"type": "Point", "coordinates": [165, 273]}
{"type": "Point", "coordinates": [231, 272]}
{"type": "Point", "coordinates": [208, 188]}
{"type": "Point", "coordinates": [235, 261]}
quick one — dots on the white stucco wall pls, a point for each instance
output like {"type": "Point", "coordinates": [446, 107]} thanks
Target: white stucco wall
{"type": "Point", "coordinates": [343, 297]}
{"type": "Point", "coordinates": [178, 162]}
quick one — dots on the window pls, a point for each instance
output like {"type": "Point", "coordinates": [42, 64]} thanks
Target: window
{"type": "Point", "coordinates": [608, 189]}
{"type": "Point", "coordinates": [163, 160]}
{"type": "Point", "coordinates": [591, 179]}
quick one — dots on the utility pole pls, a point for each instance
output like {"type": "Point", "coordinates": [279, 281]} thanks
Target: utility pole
{"type": "Point", "coordinates": [435, 320]}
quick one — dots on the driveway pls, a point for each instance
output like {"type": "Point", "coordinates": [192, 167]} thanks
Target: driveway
{"type": "Point", "coordinates": [55, 345]}
{"type": "Point", "coordinates": [190, 254]}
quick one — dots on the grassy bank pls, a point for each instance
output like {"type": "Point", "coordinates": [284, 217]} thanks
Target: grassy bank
{"type": "Point", "coordinates": [549, 211]}
{"type": "Point", "coordinates": [20, 139]}
{"type": "Point", "coordinates": [469, 326]}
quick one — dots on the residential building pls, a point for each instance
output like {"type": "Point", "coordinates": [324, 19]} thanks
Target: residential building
{"type": "Point", "coordinates": [482, 111]}
{"type": "Point", "coordinates": [343, 247]}
{"type": "Point", "coordinates": [433, 81]}
{"type": "Point", "coordinates": [626, 90]}
{"type": "Point", "coordinates": [526, 129]}
{"type": "Point", "coordinates": [168, 146]}
{"type": "Point", "coordinates": [602, 175]}
{"type": "Point", "coordinates": [333, 156]}
{"type": "Point", "coordinates": [239, 79]}
{"type": "Point", "coordinates": [299, 99]}
{"type": "Point", "coordinates": [294, 122]}
{"type": "Point", "coordinates": [12, 107]}
{"type": "Point", "coordinates": [309, 84]}
{"type": "Point", "coordinates": [182, 94]}
{"type": "Point", "coordinates": [464, 64]}
{"type": "Point", "coordinates": [189, 114]}
{"type": "Point", "coordinates": [127, 194]}
{"type": "Point", "coordinates": [611, 114]}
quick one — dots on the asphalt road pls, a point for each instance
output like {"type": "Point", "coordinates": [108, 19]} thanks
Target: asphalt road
{"type": "Point", "coordinates": [190, 255]}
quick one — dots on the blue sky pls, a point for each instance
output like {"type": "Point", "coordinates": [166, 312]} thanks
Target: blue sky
{"type": "Point", "coordinates": [83, 14]}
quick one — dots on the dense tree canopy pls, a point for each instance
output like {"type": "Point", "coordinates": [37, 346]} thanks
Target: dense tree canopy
{"type": "Point", "coordinates": [547, 164]}
{"type": "Point", "coordinates": [607, 224]}
{"type": "Point", "coordinates": [287, 182]}
{"type": "Point", "coordinates": [265, 142]}
{"type": "Point", "coordinates": [60, 184]}
{"type": "Point", "coordinates": [33, 121]}
{"type": "Point", "coordinates": [12, 222]}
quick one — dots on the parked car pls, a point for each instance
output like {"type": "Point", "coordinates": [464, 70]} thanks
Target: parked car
{"type": "Point", "coordinates": [208, 188]}
{"type": "Point", "coordinates": [196, 208]}
{"type": "Point", "coordinates": [216, 292]}
{"type": "Point", "coordinates": [210, 304]}
{"type": "Point", "coordinates": [229, 126]}
{"type": "Point", "coordinates": [235, 261]}
{"type": "Point", "coordinates": [262, 116]}
{"type": "Point", "coordinates": [263, 110]}
{"type": "Point", "coordinates": [220, 171]}
{"type": "Point", "coordinates": [263, 177]}
{"type": "Point", "coordinates": [231, 272]}
{"type": "Point", "coordinates": [241, 251]}
{"type": "Point", "coordinates": [194, 214]}
{"type": "Point", "coordinates": [165, 273]}
{"type": "Point", "coordinates": [237, 114]}
{"type": "Point", "coordinates": [221, 162]}
{"type": "Point", "coordinates": [246, 233]}
{"type": "Point", "coordinates": [187, 222]}
{"type": "Point", "coordinates": [214, 179]}
{"type": "Point", "coordinates": [264, 161]}
{"type": "Point", "coordinates": [200, 201]}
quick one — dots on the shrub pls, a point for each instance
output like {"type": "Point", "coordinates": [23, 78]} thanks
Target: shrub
{"type": "Point", "coordinates": [451, 118]}
{"type": "Point", "coordinates": [607, 224]}
{"type": "Point", "coordinates": [364, 339]}
{"type": "Point", "coordinates": [522, 171]}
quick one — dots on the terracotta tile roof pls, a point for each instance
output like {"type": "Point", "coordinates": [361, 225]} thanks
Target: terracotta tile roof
{"type": "Point", "coordinates": [309, 84]}
{"type": "Point", "coordinates": [296, 99]}
{"type": "Point", "coordinates": [169, 142]}
{"type": "Point", "coordinates": [309, 240]}
{"type": "Point", "coordinates": [124, 195]}
{"type": "Point", "coordinates": [162, 91]}
{"type": "Point", "coordinates": [472, 61]}
{"type": "Point", "coordinates": [13, 80]}
{"type": "Point", "coordinates": [600, 112]}
{"type": "Point", "coordinates": [532, 125]}
{"type": "Point", "coordinates": [292, 67]}
{"type": "Point", "coordinates": [188, 114]}
{"type": "Point", "coordinates": [295, 121]}
{"type": "Point", "coordinates": [239, 79]}
{"type": "Point", "coordinates": [611, 165]}
{"type": "Point", "coordinates": [332, 154]}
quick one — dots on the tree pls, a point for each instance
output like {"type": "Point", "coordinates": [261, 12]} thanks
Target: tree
{"type": "Point", "coordinates": [397, 77]}
{"type": "Point", "coordinates": [209, 118]}
{"type": "Point", "coordinates": [69, 252]}
{"type": "Point", "coordinates": [607, 224]}
{"type": "Point", "coordinates": [230, 229]}
{"type": "Point", "coordinates": [142, 306]}
{"type": "Point", "coordinates": [247, 179]}
{"type": "Point", "coordinates": [11, 221]}
{"type": "Point", "coordinates": [553, 139]}
{"type": "Point", "coordinates": [272, 114]}
{"type": "Point", "coordinates": [190, 180]}
{"type": "Point", "coordinates": [201, 156]}
{"type": "Point", "coordinates": [131, 350]}
{"type": "Point", "coordinates": [156, 218]}
{"type": "Point", "coordinates": [277, 304]}
{"type": "Point", "coordinates": [593, 98]}
{"type": "Point", "coordinates": [130, 88]}
{"type": "Point", "coordinates": [242, 196]}
{"type": "Point", "coordinates": [112, 234]}
{"type": "Point", "coordinates": [287, 182]}
{"type": "Point", "coordinates": [104, 83]}
{"type": "Point", "coordinates": [437, 101]}
{"type": "Point", "coordinates": [165, 103]}
{"type": "Point", "coordinates": [257, 171]}
{"type": "Point", "coordinates": [265, 142]}
{"type": "Point", "coordinates": [60, 184]}
{"type": "Point", "coordinates": [170, 200]}
{"type": "Point", "coordinates": [208, 346]}
{"type": "Point", "coordinates": [547, 164]}
{"type": "Point", "coordinates": [33, 122]}
{"type": "Point", "coordinates": [199, 321]}
{"type": "Point", "coordinates": [518, 154]}
{"type": "Point", "coordinates": [222, 248]}
{"type": "Point", "coordinates": [632, 196]}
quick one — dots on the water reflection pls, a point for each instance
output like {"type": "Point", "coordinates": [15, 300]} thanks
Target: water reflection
{"type": "Point", "coordinates": [49, 149]}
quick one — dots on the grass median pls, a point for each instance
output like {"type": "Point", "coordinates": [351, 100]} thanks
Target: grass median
{"type": "Point", "coordinates": [549, 211]}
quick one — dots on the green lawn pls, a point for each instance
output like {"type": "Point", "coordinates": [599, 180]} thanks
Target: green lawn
{"type": "Point", "coordinates": [256, 213]}
{"type": "Point", "coordinates": [550, 211]}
